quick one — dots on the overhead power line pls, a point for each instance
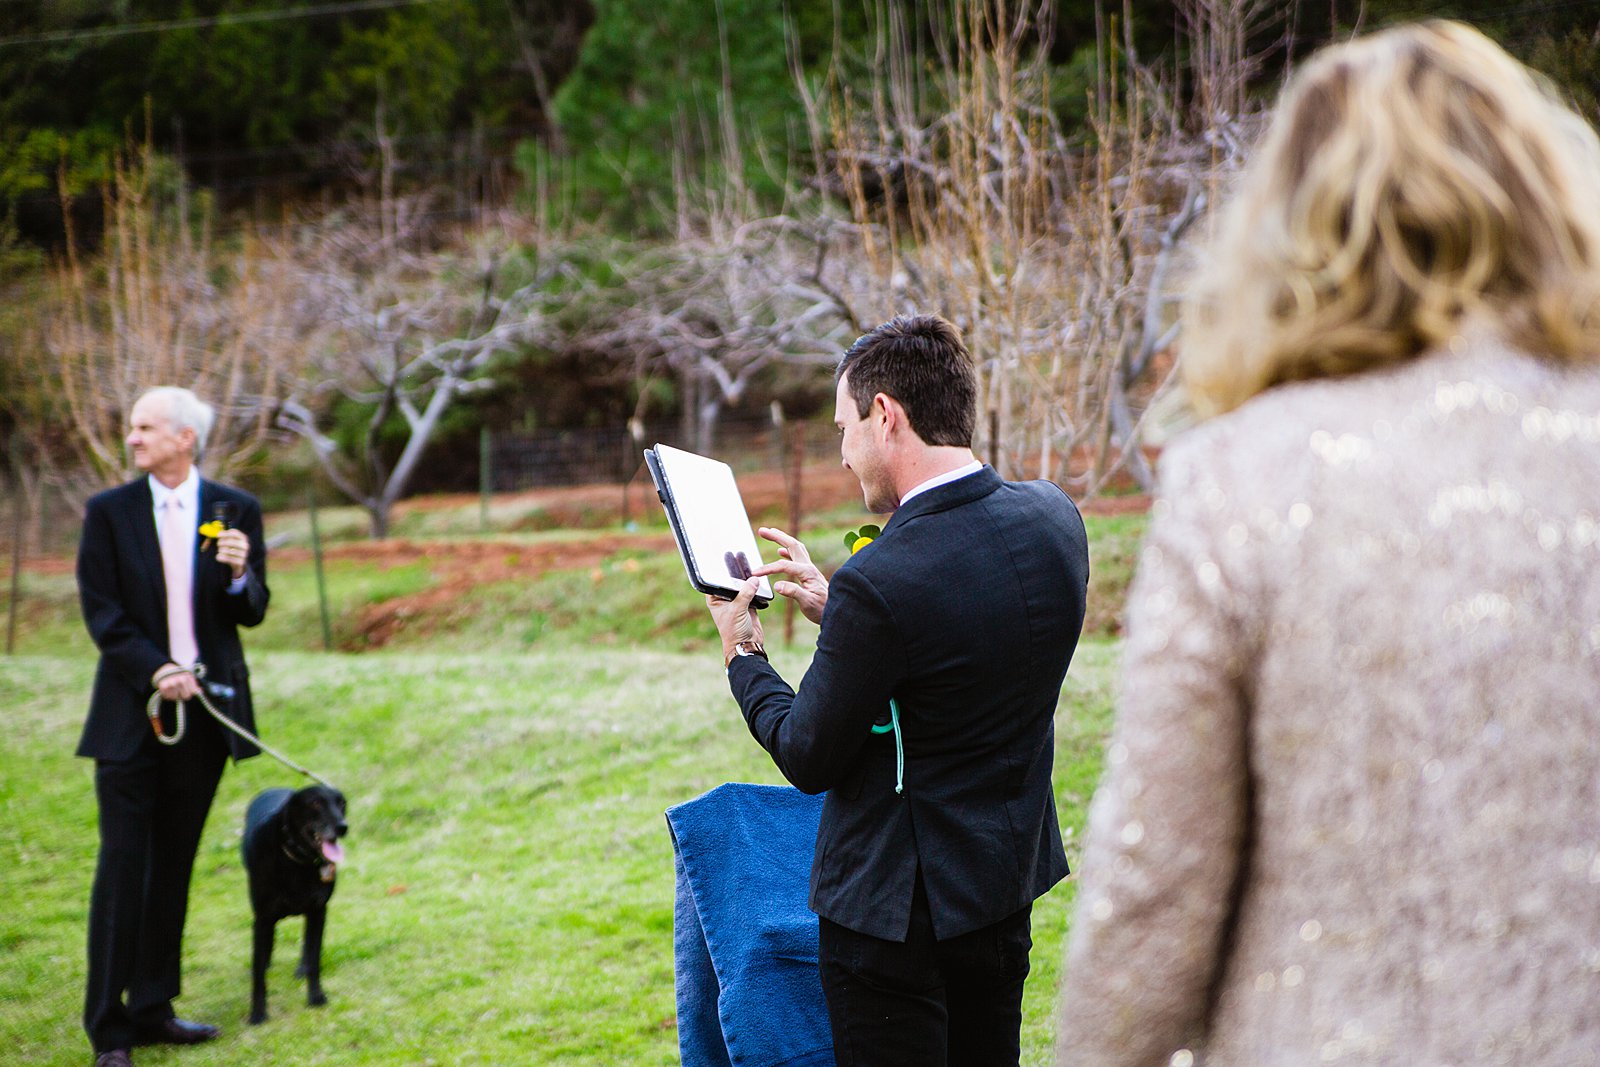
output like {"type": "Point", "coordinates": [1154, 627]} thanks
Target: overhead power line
{"type": "Point", "coordinates": [100, 33]}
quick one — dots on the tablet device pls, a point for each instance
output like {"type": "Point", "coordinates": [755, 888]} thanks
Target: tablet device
{"type": "Point", "coordinates": [708, 521]}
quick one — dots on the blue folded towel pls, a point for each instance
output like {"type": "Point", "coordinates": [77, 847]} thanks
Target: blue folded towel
{"type": "Point", "coordinates": [744, 941]}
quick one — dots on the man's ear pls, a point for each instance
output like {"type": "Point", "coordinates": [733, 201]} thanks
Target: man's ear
{"type": "Point", "coordinates": [888, 409]}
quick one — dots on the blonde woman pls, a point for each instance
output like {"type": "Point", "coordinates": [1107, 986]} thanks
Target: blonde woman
{"type": "Point", "coordinates": [1351, 810]}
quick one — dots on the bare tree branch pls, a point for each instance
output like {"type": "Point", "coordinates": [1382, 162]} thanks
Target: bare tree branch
{"type": "Point", "coordinates": [407, 333]}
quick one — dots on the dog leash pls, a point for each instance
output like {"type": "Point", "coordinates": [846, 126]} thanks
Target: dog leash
{"type": "Point", "coordinates": [153, 710]}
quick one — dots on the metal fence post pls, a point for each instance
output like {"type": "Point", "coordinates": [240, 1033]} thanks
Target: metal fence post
{"type": "Point", "coordinates": [16, 562]}
{"type": "Point", "coordinates": [635, 460]}
{"type": "Point", "coordinates": [485, 479]}
{"type": "Point", "coordinates": [322, 585]}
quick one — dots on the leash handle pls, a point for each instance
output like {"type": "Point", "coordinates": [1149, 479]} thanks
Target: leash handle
{"type": "Point", "coordinates": [153, 710]}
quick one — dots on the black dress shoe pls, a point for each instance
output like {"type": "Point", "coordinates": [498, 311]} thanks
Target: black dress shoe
{"type": "Point", "coordinates": [117, 1057]}
{"type": "Point", "coordinates": [176, 1032]}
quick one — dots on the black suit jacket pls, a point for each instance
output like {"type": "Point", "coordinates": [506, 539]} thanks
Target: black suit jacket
{"type": "Point", "coordinates": [124, 598]}
{"type": "Point", "coordinates": [966, 610]}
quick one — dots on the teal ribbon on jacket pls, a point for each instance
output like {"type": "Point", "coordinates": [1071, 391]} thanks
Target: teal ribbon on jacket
{"type": "Point", "coordinates": [899, 745]}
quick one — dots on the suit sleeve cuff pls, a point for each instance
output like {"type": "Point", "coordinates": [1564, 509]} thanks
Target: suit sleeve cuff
{"type": "Point", "coordinates": [742, 671]}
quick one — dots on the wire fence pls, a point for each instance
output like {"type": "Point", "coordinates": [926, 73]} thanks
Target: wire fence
{"type": "Point", "coordinates": [548, 458]}
{"type": "Point", "coordinates": [41, 512]}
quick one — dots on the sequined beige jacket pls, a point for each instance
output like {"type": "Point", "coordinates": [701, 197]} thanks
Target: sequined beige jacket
{"type": "Point", "coordinates": [1351, 809]}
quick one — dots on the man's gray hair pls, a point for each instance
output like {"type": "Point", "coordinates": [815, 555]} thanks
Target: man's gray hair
{"type": "Point", "coordinates": [185, 411]}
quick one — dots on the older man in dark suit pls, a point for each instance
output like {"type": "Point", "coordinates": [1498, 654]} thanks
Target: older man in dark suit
{"type": "Point", "coordinates": [927, 713]}
{"type": "Point", "coordinates": [159, 599]}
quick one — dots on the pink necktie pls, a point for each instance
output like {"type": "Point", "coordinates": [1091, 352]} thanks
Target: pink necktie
{"type": "Point", "coordinates": [177, 565]}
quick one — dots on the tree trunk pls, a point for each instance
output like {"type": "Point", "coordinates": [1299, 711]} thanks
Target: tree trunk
{"type": "Point", "coordinates": [1125, 435]}
{"type": "Point", "coordinates": [378, 514]}
{"type": "Point", "coordinates": [691, 384]}
{"type": "Point", "coordinates": [705, 428]}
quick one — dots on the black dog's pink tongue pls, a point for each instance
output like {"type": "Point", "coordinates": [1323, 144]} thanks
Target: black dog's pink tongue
{"type": "Point", "coordinates": [333, 852]}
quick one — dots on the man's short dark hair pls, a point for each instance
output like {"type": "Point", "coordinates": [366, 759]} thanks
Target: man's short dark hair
{"type": "Point", "coordinates": [921, 361]}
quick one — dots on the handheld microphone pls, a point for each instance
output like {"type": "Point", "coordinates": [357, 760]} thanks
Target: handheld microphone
{"type": "Point", "coordinates": [221, 519]}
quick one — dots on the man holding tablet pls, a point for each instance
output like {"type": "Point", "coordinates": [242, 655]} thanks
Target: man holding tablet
{"type": "Point", "coordinates": [927, 712]}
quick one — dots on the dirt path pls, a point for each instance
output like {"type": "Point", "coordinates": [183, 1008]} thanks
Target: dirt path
{"type": "Point", "coordinates": [458, 567]}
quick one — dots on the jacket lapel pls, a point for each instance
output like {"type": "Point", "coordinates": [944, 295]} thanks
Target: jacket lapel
{"type": "Point", "coordinates": [202, 573]}
{"type": "Point", "coordinates": [146, 542]}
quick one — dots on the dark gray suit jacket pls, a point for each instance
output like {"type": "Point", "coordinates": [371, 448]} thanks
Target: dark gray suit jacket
{"type": "Point", "coordinates": [966, 610]}
{"type": "Point", "coordinates": [124, 598]}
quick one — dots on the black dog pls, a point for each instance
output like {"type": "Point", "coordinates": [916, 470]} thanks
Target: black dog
{"type": "Point", "coordinates": [291, 853]}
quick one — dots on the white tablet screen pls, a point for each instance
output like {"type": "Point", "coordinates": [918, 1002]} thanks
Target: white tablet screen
{"type": "Point", "coordinates": [715, 531]}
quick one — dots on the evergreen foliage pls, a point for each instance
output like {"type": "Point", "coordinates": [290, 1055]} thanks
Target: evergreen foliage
{"type": "Point", "coordinates": [665, 93]}
{"type": "Point", "coordinates": [293, 94]}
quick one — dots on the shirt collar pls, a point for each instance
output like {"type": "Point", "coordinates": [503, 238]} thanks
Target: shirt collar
{"type": "Point", "coordinates": [188, 491]}
{"type": "Point", "coordinates": [943, 479]}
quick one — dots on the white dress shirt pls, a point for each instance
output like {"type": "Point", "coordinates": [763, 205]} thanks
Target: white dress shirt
{"type": "Point", "coordinates": [187, 491]}
{"type": "Point", "coordinates": [943, 479]}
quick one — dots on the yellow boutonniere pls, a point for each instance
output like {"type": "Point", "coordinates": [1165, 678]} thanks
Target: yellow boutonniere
{"type": "Point", "coordinates": [210, 532]}
{"type": "Point", "coordinates": [856, 540]}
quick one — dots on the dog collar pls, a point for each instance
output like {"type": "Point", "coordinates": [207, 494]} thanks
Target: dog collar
{"type": "Point", "coordinates": [304, 861]}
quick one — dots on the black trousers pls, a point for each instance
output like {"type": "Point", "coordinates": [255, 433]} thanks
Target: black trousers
{"type": "Point", "coordinates": [925, 1002]}
{"type": "Point", "coordinates": [152, 810]}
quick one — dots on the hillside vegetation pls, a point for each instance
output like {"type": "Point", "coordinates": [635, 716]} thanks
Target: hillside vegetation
{"type": "Point", "coordinates": [709, 202]}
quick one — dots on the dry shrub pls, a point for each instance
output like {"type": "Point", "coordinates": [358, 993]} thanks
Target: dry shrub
{"type": "Point", "coordinates": [168, 303]}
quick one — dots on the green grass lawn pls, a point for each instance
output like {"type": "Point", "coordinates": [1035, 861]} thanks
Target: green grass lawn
{"type": "Point", "coordinates": [508, 892]}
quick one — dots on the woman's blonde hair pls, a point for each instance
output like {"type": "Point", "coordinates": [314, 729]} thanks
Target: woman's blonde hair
{"type": "Point", "coordinates": [1408, 181]}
